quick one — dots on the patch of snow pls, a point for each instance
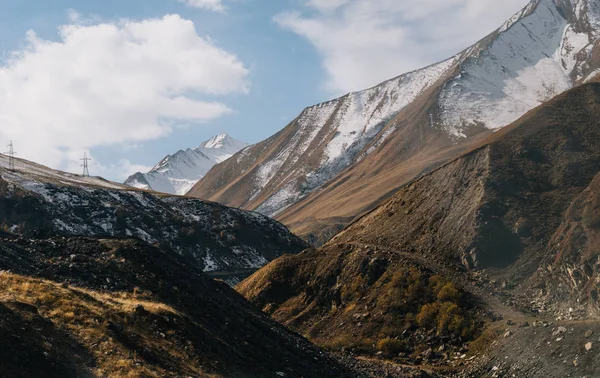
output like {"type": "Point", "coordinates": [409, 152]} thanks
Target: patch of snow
{"type": "Point", "coordinates": [280, 201]}
{"type": "Point", "coordinates": [243, 154]}
{"type": "Point", "coordinates": [144, 235]}
{"type": "Point", "coordinates": [61, 225]}
{"type": "Point", "coordinates": [363, 111]}
{"type": "Point", "coordinates": [309, 124]}
{"type": "Point", "coordinates": [517, 17]}
{"type": "Point", "coordinates": [210, 264]}
{"type": "Point", "coordinates": [255, 261]}
{"type": "Point", "coordinates": [573, 43]}
{"type": "Point", "coordinates": [592, 75]}
{"type": "Point", "coordinates": [353, 120]}
{"type": "Point", "coordinates": [141, 198]}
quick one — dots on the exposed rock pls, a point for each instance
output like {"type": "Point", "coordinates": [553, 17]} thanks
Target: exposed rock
{"type": "Point", "coordinates": [559, 330]}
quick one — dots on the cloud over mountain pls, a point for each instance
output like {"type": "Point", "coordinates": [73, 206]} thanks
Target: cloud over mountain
{"type": "Point", "coordinates": [364, 42]}
{"type": "Point", "coordinates": [112, 83]}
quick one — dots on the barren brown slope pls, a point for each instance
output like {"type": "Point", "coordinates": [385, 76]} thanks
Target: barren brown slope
{"type": "Point", "coordinates": [497, 206]}
{"type": "Point", "coordinates": [569, 275]}
{"type": "Point", "coordinates": [414, 149]}
{"type": "Point", "coordinates": [490, 214]}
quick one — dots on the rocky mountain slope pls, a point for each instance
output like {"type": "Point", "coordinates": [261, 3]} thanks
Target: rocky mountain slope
{"type": "Point", "coordinates": [341, 158]}
{"type": "Point", "coordinates": [475, 251]}
{"type": "Point", "coordinates": [215, 237]}
{"type": "Point", "coordinates": [80, 307]}
{"type": "Point", "coordinates": [178, 173]}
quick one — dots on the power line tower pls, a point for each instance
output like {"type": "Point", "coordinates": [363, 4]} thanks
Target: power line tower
{"type": "Point", "coordinates": [86, 171]}
{"type": "Point", "coordinates": [11, 156]}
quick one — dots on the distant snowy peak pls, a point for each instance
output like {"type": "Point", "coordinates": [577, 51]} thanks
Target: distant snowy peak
{"type": "Point", "coordinates": [178, 173]}
{"type": "Point", "coordinates": [220, 141]}
{"type": "Point", "coordinates": [221, 147]}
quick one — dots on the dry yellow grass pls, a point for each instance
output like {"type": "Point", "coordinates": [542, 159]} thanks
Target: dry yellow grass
{"type": "Point", "coordinates": [84, 315]}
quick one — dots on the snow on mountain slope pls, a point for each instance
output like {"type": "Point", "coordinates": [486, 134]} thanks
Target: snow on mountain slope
{"type": "Point", "coordinates": [334, 132]}
{"type": "Point", "coordinates": [547, 48]}
{"type": "Point", "coordinates": [177, 173]}
{"type": "Point", "coordinates": [37, 198]}
{"type": "Point", "coordinates": [541, 54]}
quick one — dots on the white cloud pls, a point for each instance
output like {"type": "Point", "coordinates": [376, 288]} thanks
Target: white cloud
{"type": "Point", "coordinates": [364, 42]}
{"type": "Point", "coordinates": [111, 84]}
{"type": "Point", "coordinates": [213, 5]}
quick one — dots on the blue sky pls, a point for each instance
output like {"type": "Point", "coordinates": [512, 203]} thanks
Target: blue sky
{"type": "Point", "coordinates": [112, 83]}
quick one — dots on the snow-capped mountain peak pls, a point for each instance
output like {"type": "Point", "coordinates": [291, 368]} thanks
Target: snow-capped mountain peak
{"type": "Point", "coordinates": [177, 173]}
{"type": "Point", "coordinates": [218, 141]}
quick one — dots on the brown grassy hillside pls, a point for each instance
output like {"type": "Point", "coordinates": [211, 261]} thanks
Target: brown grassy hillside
{"type": "Point", "coordinates": [484, 223]}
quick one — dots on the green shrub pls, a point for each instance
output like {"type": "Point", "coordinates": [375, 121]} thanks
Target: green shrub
{"type": "Point", "coordinates": [447, 315]}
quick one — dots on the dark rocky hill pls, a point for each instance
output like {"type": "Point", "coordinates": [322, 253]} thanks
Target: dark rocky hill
{"type": "Point", "coordinates": [215, 237]}
{"type": "Point", "coordinates": [79, 307]}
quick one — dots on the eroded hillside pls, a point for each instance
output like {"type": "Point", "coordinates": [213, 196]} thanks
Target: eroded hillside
{"type": "Point", "coordinates": [511, 225]}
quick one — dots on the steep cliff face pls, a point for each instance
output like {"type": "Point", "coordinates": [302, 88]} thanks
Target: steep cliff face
{"type": "Point", "coordinates": [36, 198]}
{"type": "Point", "coordinates": [340, 158]}
{"type": "Point", "coordinates": [568, 278]}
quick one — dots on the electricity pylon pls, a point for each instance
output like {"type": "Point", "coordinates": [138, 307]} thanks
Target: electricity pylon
{"type": "Point", "coordinates": [11, 156]}
{"type": "Point", "coordinates": [86, 171]}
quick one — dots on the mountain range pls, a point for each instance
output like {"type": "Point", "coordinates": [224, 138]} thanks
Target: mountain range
{"type": "Point", "coordinates": [453, 212]}
{"type": "Point", "coordinates": [178, 173]}
{"type": "Point", "coordinates": [341, 158]}
{"type": "Point", "coordinates": [35, 198]}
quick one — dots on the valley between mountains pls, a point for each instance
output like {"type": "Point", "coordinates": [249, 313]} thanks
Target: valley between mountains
{"type": "Point", "coordinates": [445, 223]}
{"type": "Point", "coordinates": [489, 246]}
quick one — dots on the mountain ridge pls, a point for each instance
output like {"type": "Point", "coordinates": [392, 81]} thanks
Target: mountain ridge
{"type": "Point", "coordinates": [177, 173]}
{"type": "Point", "coordinates": [321, 171]}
